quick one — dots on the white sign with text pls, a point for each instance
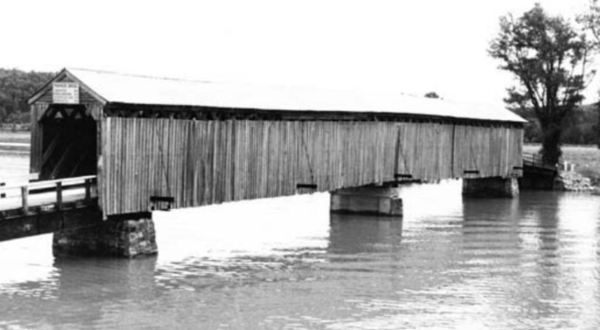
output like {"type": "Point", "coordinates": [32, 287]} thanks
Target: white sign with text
{"type": "Point", "coordinates": [65, 92]}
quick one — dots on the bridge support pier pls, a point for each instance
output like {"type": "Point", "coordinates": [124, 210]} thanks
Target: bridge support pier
{"type": "Point", "coordinates": [369, 200]}
{"type": "Point", "coordinates": [491, 187]}
{"type": "Point", "coordinates": [116, 238]}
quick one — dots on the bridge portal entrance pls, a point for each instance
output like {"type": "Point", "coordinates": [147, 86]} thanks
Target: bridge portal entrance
{"type": "Point", "coordinates": [69, 147]}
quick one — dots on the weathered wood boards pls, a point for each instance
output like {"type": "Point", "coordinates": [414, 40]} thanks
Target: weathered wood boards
{"type": "Point", "coordinates": [208, 162]}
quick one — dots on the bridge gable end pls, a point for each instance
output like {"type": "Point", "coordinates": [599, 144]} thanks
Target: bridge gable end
{"type": "Point", "coordinates": [85, 95]}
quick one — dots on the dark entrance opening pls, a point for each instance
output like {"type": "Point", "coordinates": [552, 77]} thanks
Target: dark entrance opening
{"type": "Point", "coordinates": [69, 142]}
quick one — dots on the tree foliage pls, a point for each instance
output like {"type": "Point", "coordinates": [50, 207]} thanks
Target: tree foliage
{"type": "Point", "coordinates": [15, 88]}
{"type": "Point", "coordinates": [432, 95]}
{"type": "Point", "coordinates": [591, 22]}
{"type": "Point", "coordinates": [548, 58]}
{"type": "Point", "coordinates": [580, 126]}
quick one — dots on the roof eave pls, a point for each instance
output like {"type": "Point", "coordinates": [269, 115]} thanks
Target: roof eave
{"type": "Point", "coordinates": [62, 74]}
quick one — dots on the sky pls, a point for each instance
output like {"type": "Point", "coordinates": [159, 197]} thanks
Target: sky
{"type": "Point", "coordinates": [411, 47]}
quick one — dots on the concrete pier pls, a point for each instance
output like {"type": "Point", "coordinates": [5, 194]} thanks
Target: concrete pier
{"type": "Point", "coordinates": [369, 200]}
{"type": "Point", "coordinates": [491, 187]}
{"type": "Point", "coordinates": [116, 238]}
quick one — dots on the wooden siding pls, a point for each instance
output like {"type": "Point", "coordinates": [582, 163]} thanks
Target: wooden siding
{"type": "Point", "coordinates": [210, 162]}
{"type": "Point", "coordinates": [35, 158]}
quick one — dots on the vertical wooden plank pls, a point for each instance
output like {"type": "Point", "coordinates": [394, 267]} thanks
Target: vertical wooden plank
{"type": "Point", "coordinates": [59, 196]}
{"type": "Point", "coordinates": [88, 190]}
{"type": "Point", "coordinates": [107, 158]}
{"type": "Point", "coordinates": [24, 199]}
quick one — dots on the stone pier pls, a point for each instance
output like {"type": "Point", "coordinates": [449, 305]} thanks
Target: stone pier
{"type": "Point", "coordinates": [491, 187]}
{"type": "Point", "coordinates": [369, 200]}
{"type": "Point", "coordinates": [117, 238]}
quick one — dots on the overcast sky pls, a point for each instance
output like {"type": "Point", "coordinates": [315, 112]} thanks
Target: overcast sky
{"type": "Point", "coordinates": [406, 46]}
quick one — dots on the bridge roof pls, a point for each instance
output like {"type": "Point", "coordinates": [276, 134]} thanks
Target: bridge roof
{"type": "Point", "coordinates": [111, 87]}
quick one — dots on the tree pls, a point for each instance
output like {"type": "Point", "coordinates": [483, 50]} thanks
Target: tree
{"type": "Point", "coordinates": [15, 88]}
{"type": "Point", "coordinates": [432, 95]}
{"type": "Point", "coordinates": [591, 22]}
{"type": "Point", "coordinates": [548, 57]}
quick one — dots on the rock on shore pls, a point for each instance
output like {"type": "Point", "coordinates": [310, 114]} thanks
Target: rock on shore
{"type": "Point", "coordinates": [573, 181]}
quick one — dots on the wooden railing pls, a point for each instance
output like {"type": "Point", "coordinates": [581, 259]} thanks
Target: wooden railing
{"type": "Point", "coordinates": [535, 160]}
{"type": "Point", "coordinates": [47, 194]}
{"type": "Point", "coordinates": [532, 159]}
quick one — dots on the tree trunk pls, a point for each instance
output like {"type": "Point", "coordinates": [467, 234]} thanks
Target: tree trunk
{"type": "Point", "coordinates": [551, 152]}
{"type": "Point", "coordinates": [597, 128]}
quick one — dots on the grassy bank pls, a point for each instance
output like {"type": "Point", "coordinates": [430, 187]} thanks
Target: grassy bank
{"type": "Point", "coordinates": [585, 157]}
{"type": "Point", "coordinates": [14, 137]}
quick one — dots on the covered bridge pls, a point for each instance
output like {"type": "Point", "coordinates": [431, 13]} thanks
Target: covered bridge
{"type": "Point", "coordinates": [191, 143]}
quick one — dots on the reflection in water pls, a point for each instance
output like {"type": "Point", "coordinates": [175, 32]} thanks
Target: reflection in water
{"type": "Point", "coordinates": [286, 263]}
{"type": "Point", "coordinates": [80, 293]}
{"type": "Point", "coordinates": [538, 275]}
{"type": "Point", "coordinates": [355, 234]}
{"type": "Point", "coordinates": [126, 284]}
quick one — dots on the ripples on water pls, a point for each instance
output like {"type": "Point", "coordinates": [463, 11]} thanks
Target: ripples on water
{"type": "Point", "coordinates": [529, 263]}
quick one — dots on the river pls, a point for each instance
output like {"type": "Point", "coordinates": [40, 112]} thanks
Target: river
{"type": "Point", "coordinates": [286, 263]}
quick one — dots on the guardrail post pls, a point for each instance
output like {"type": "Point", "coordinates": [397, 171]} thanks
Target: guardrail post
{"type": "Point", "coordinates": [88, 190]}
{"type": "Point", "coordinates": [59, 196]}
{"type": "Point", "coordinates": [25, 202]}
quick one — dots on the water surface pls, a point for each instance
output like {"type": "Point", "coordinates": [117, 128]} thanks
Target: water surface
{"type": "Point", "coordinates": [286, 263]}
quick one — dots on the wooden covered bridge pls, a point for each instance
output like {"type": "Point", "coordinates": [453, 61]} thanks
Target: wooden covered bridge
{"type": "Point", "coordinates": [155, 143]}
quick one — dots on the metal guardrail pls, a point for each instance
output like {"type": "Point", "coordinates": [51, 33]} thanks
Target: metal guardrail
{"type": "Point", "coordinates": [51, 193]}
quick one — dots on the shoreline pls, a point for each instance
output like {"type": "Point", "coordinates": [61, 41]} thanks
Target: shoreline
{"type": "Point", "coordinates": [15, 147]}
{"type": "Point", "coordinates": [15, 143]}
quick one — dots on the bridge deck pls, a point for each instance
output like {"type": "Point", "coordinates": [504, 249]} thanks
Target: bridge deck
{"type": "Point", "coordinates": [46, 196]}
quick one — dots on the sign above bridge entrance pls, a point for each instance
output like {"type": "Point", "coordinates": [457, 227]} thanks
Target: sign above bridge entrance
{"type": "Point", "coordinates": [65, 92]}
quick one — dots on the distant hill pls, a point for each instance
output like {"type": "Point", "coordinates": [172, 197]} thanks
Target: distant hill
{"type": "Point", "coordinates": [582, 127]}
{"type": "Point", "coordinates": [16, 87]}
